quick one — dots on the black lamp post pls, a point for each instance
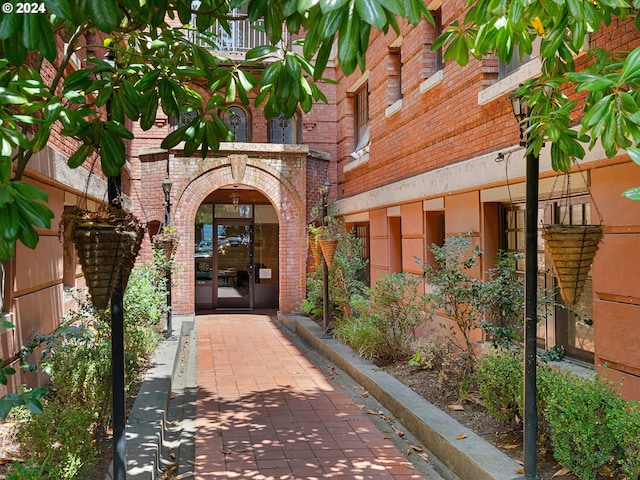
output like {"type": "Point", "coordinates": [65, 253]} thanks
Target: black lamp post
{"type": "Point", "coordinates": [114, 190]}
{"type": "Point", "coordinates": [324, 194]}
{"type": "Point", "coordinates": [166, 188]}
{"type": "Point", "coordinates": [522, 111]}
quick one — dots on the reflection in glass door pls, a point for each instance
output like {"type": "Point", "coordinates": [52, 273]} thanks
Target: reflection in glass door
{"type": "Point", "coordinates": [234, 265]}
{"type": "Point", "coordinates": [236, 255]}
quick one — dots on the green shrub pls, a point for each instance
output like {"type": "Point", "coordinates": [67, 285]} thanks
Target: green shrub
{"type": "Point", "coordinates": [24, 471]}
{"type": "Point", "coordinates": [396, 310]}
{"type": "Point", "coordinates": [500, 383]}
{"type": "Point", "coordinates": [81, 376]}
{"type": "Point", "coordinates": [59, 440]}
{"type": "Point", "coordinates": [145, 296]}
{"type": "Point", "coordinates": [627, 428]}
{"type": "Point", "coordinates": [581, 413]}
{"type": "Point", "coordinates": [361, 335]}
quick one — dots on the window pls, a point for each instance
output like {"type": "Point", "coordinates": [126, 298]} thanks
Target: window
{"type": "Point", "coordinates": [361, 117]}
{"type": "Point", "coordinates": [506, 69]}
{"type": "Point", "coordinates": [361, 231]}
{"type": "Point", "coordinates": [559, 326]}
{"type": "Point", "coordinates": [285, 130]}
{"type": "Point", "coordinates": [236, 120]}
{"type": "Point", "coordinates": [184, 118]}
{"type": "Point", "coordinates": [394, 75]}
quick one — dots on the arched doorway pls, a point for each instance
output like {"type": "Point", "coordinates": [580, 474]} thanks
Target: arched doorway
{"type": "Point", "coordinates": [236, 258]}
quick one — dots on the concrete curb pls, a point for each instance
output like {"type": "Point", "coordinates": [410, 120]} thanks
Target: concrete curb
{"type": "Point", "coordinates": [471, 458]}
{"type": "Point", "coordinates": [149, 435]}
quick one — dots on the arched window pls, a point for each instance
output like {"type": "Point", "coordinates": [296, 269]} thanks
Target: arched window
{"type": "Point", "coordinates": [236, 119]}
{"type": "Point", "coordinates": [285, 130]}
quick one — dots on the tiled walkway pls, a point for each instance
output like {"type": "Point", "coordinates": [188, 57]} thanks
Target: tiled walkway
{"type": "Point", "coordinates": [264, 411]}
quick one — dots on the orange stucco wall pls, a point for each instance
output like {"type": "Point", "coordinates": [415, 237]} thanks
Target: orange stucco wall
{"type": "Point", "coordinates": [616, 282]}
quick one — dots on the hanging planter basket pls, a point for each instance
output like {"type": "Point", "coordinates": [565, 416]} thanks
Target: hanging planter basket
{"type": "Point", "coordinates": [314, 246]}
{"type": "Point", "coordinates": [571, 249]}
{"type": "Point", "coordinates": [107, 244]}
{"type": "Point", "coordinates": [328, 247]}
{"type": "Point", "coordinates": [167, 242]}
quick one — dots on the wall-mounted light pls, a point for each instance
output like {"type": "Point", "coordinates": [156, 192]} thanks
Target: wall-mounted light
{"type": "Point", "coordinates": [235, 197]}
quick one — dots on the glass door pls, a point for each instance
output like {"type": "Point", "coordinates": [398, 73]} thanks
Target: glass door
{"type": "Point", "coordinates": [233, 264]}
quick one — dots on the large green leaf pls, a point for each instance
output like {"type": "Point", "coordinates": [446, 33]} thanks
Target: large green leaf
{"type": "Point", "coordinates": [372, 12]}
{"type": "Point", "coordinates": [60, 8]}
{"type": "Point", "coordinates": [112, 154]}
{"type": "Point", "coordinates": [105, 14]}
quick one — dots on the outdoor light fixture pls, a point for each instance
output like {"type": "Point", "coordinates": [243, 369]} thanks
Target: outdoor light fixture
{"type": "Point", "coordinates": [235, 197]}
{"type": "Point", "coordinates": [324, 190]}
{"type": "Point", "coordinates": [522, 112]}
{"type": "Point", "coordinates": [166, 188]}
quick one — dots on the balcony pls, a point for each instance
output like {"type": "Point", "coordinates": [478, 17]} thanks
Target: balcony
{"type": "Point", "coordinates": [243, 36]}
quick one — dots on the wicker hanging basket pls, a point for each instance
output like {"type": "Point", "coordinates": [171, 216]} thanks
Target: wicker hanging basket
{"type": "Point", "coordinates": [571, 249]}
{"type": "Point", "coordinates": [167, 242]}
{"type": "Point", "coordinates": [314, 246]}
{"type": "Point", "coordinates": [107, 244]}
{"type": "Point", "coordinates": [328, 247]}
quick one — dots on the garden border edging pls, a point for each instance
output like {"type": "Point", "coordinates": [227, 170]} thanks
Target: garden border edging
{"type": "Point", "coordinates": [470, 458]}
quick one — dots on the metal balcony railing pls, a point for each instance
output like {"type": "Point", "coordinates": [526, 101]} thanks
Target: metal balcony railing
{"type": "Point", "coordinates": [243, 36]}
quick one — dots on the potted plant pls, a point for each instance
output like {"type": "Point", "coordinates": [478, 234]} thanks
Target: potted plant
{"type": "Point", "coordinates": [327, 237]}
{"type": "Point", "coordinates": [571, 249]}
{"type": "Point", "coordinates": [107, 242]}
{"type": "Point", "coordinates": [314, 245]}
{"type": "Point", "coordinates": [167, 241]}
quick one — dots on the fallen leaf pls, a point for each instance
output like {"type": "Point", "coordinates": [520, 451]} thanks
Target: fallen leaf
{"type": "Point", "coordinates": [424, 456]}
{"type": "Point", "coordinates": [520, 470]}
{"type": "Point", "coordinates": [417, 448]}
{"type": "Point", "coordinates": [462, 436]}
{"type": "Point", "coordinates": [365, 394]}
{"type": "Point", "coordinates": [605, 470]}
{"type": "Point", "coordinates": [409, 451]}
{"type": "Point", "coordinates": [510, 447]}
{"type": "Point", "coordinates": [360, 405]}
{"type": "Point", "coordinates": [456, 408]}
{"type": "Point", "coordinates": [387, 437]}
{"type": "Point", "coordinates": [562, 472]}
{"type": "Point", "coordinates": [408, 465]}
{"type": "Point", "coordinates": [191, 462]}
{"type": "Point", "coordinates": [373, 412]}
{"type": "Point", "coordinates": [226, 451]}
{"type": "Point", "coordinates": [400, 433]}
{"type": "Point", "coordinates": [519, 462]}
{"type": "Point", "coordinates": [173, 395]}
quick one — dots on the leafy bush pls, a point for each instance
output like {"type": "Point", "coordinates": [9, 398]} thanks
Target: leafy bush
{"type": "Point", "coordinates": [459, 295]}
{"type": "Point", "coordinates": [627, 428]}
{"type": "Point", "coordinates": [361, 335]}
{"type": "Point", "coordinates": [500, 383]}
{"type": "Point", "coordinates": [81, 376]}
{"type": "Point", "coordinates": [78, 359]}
{"type": "Point", "coordinates": [60, 441]}
{"type": "Point", "coordinates": [438, 353]}
{"type": "Point", "coordinates": [584, 420]}
{"type": "Point", "coordinates": [581, 413]}
{"type": "Point", "coordinates": [396, 310]}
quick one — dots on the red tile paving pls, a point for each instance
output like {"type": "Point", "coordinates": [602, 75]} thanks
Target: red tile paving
{"type": "Point", "coordinates": [264, 411]}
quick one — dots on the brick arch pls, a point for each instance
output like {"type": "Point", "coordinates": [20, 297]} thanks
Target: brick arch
{"type": "Point", "coordinates": [290, 210]}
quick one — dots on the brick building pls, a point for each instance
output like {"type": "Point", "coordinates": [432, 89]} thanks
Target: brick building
{"type": "Point", "coordinates": [415, 149]}
{"type": "Point", "coordinates": [427, 149]}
